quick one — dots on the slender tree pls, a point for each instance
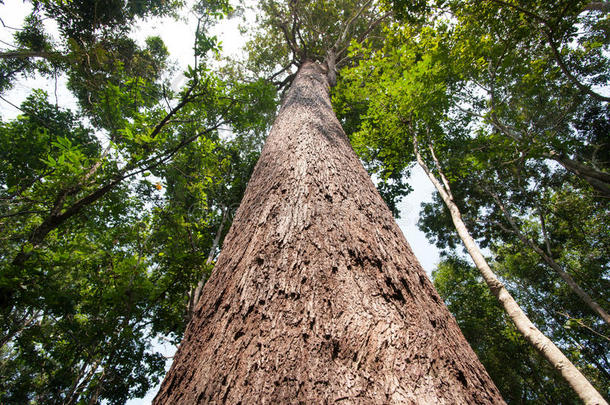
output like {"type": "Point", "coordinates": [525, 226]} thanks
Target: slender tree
{"type": "Point", "coordinates": [532, 334]}
{"type": "Point", "coordinates": [316, 295]}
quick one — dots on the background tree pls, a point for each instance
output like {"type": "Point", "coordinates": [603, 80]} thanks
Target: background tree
{"type": "Point", "coordinates": [433, 79]}
{"type": "Point", "coordinates": [520, 373]}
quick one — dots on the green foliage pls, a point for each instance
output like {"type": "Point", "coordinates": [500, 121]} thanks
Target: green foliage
{"type": "Point", "coordinates": [393, 92]}
{"type": "Point", "coordinates": [109, 214]}
{"type": "Point", "coordinates": [288, 33]}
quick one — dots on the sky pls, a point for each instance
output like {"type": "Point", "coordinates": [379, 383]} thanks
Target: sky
{"type": "Point", "coordinates": [179, 38]}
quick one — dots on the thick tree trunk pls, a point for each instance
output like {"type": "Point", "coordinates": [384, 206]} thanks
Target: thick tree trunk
{"type": "Point", "coordinates": [316, 296]}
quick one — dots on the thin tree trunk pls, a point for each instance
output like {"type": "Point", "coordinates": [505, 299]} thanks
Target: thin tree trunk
{"type": "Point", "coordinates": [565, 276]}
{"type": "Point", "coordinates": [316, 296]}
{"type": "Point", "coordinates": [14, 331]}
{"type": "Point", "coordinates": [544, 345]}
{"type": "Point", "coordinates": [196, 293]}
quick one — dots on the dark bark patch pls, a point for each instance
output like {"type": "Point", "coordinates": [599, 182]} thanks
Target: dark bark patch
{"type": "Point", "coordinates": [249, 311]}
{"type": "Point", "coordinates": [356, 257]}
{"type": "Point", "coordinates": [335, 352]}
{"type": "Point", "coordinates": [217, 303]}
{"type": "Point", "coordinates": [462, 378]}
{"type": "Point", "coordinates": [405, 284]}
{"type": "Point", "coordinates": [397, 294]}
{"type": "Point", "coordinates": [238, 334]}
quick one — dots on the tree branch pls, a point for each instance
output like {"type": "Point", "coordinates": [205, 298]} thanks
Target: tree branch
{"type": "Point", "coordinates": [548, 34]}
{"type": "Point", "coordinates": [348, 24]}
{"type": "Point", "coordinates": [592, 304]}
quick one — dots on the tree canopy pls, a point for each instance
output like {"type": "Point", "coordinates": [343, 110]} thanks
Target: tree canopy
{"type": "Point", "coordinates": [113, 210]}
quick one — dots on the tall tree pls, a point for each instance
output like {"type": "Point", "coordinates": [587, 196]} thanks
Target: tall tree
{"type": "Point", "coordinates": [316, 296]}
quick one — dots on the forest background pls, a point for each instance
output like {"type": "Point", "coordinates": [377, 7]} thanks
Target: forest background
{"type": "Point", "coordinates": [114, 206]}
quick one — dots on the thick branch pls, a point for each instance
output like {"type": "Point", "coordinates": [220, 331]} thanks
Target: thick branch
{"type": "Point", "coordinates": [365, 34]}
{"type": "Point", "coordinates": [603, 6]}
{"type": "Point", "coordinates": [597, 179]}
{"type": "Point", "coordinates": [26, 53]}
{"type": "Point", "coordinates": [343, 36]}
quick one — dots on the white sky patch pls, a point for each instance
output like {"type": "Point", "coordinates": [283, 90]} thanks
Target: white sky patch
{"type": "Point", "coordinates": [410, 207]}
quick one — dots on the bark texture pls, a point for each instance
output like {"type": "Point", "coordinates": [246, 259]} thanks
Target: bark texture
{"type": "Point", "coordinates": [316, 296]}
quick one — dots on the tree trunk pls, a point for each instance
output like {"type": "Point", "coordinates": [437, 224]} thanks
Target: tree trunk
{"type": "Point", "coordinates": [316, 296]}
{"type": "Point", "coordinates": [530, 332]}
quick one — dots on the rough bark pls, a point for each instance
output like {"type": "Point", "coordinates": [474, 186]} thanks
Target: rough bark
{"type": "Point", "coordinates": [530, 332]}
{"type": "Point", "coordinates": [316, 296]}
